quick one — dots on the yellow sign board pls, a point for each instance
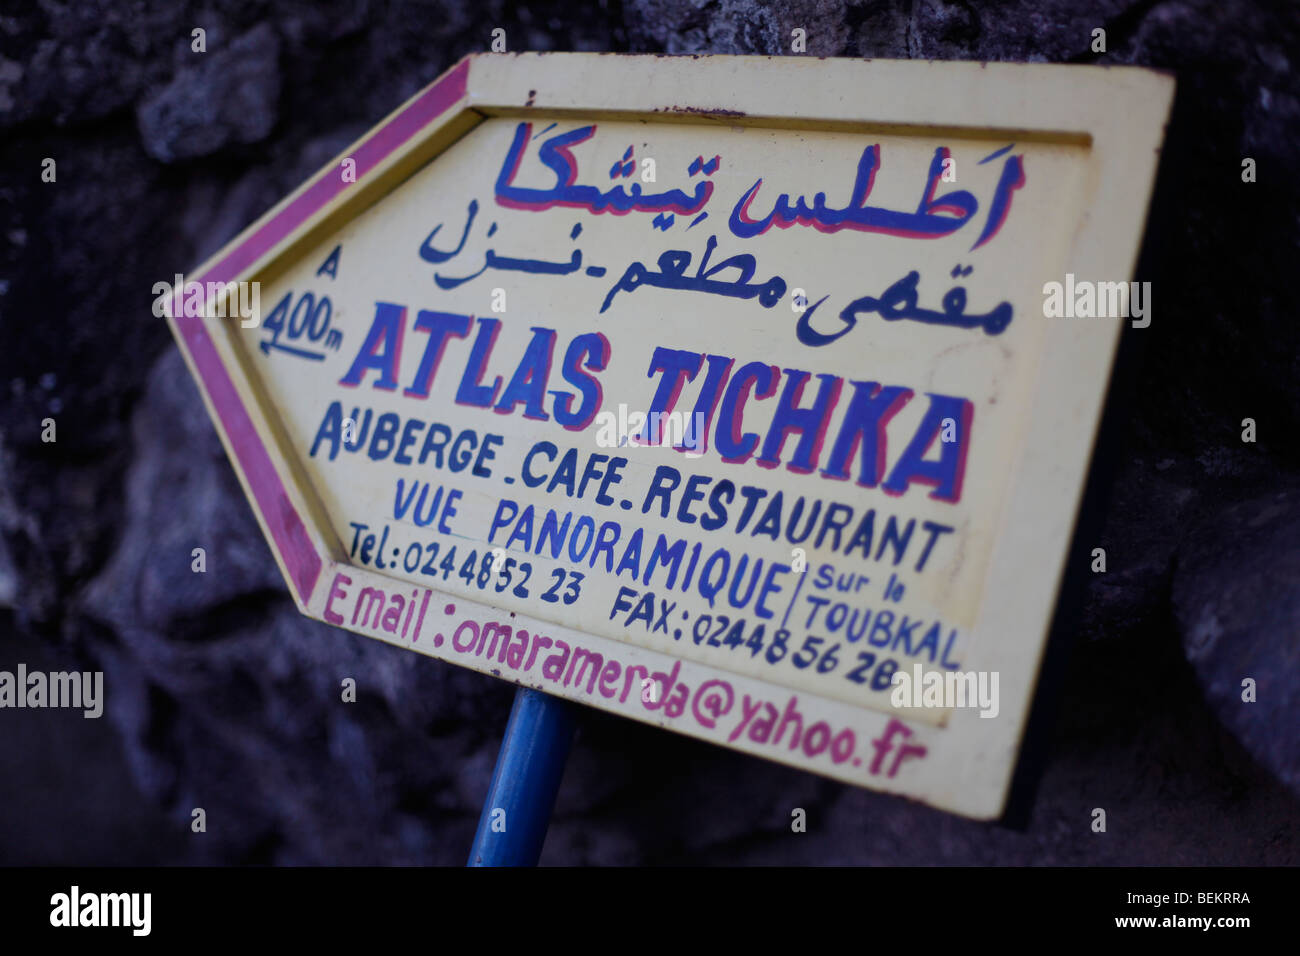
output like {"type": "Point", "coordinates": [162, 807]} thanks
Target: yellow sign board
{"type": "Point", "coordinates": [729, 394]}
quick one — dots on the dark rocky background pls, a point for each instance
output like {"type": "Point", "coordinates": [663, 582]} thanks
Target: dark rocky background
{"type": "Point", "coordinates": [222, 697]}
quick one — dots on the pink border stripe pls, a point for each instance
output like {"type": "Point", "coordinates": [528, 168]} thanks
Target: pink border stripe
{"type": "Point", "coordinates": [286, 526]}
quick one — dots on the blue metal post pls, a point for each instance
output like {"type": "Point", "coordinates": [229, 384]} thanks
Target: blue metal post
{"type": "Point", "coordinates": [525, 781]}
